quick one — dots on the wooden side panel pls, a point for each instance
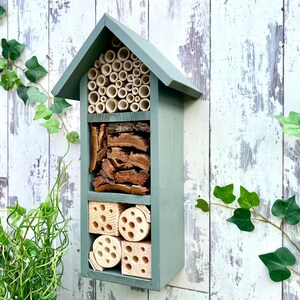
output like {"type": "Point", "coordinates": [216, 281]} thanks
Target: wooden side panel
{"type": "Point", "coordinates": [291, 172]}
{"type": "Point", "coordinates": [70, 22]}
{"type": "Point", "coordinates": [181, 31]}
{"type": "Point", "coordinates": [173, 293]}
{"type": "Point", "coordinates": [246, 144]}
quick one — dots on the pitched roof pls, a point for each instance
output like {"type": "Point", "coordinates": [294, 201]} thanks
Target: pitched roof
{"type": "Point", "coordinates": [96, 43]}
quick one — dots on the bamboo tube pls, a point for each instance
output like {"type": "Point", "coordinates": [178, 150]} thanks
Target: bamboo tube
{"type": "Point", "coordinates": [135, 90]}
{"type": "Point", "coordinates": [144, 91]}
{"type": "Point", "coordinates": [119, 84]}
{"type": "Point", "coordinates": [93, 73]}
{"type": "Point", "coordinates": [91, 109]}
{"type": "Point", "coordinates": [144, 104]}
{"type": "Point", "coordinates": [137, 98]}
{"type": "Point", "coordinates": [102, 80]}
{"type": "Point", "coordinates": [137, 63]}
{"type": "Point", "coordinates": [123, 53]}
{"type": "Point", "coordinates": [123, 105]}
{"type": "Point", "coordinates": [128, 86]}
{"type": "Point", "coordinates": [111, 91]}
{"type": "Point", "coordinates": [100, 108]}
{"type": "Point", "coordinates": [103, 99]}
{"type": "Point", "coordinates": [111, 105]}
{"type": "Point", "coordinates": [93, 97]}
{"type": "Point", "coordinates": [134, 107]}
{"type": "Point", "coordinates": [136, 72]}
{"type": "Point", "coordinates": [115, 42]}
{"type": "Point", "coordinates": [101, 59]}
{"type": "Point", "coordinates": [144, 69]}
{"type": "Point", "coordinates": [97, 64]}
{"type": "Point", "coordinates": [133, 56]}
{"type": "Point", "coordinates": [92, 85]}
{"type": "Point", "coordinates": [127, 65]}
{"type": "Point", "coordinates": [102, 90]}
{"type": "Point", "coordinates": [106, 69]}
{"type": "Point", "coordinates": [122, 93]}
{"type": "Point", "coordinates": [130, 78]}
{"type": "Point", "coordinates": [123, 75]}
{"type": "Point", "coordinates": [129, 98]}
{"type": "Point", "coordinates": [113, 77]}
{"type": "Point", "coordinates": [109, 56]}
{"type": "Point", "coordinates": [116, 65]}
{"type": "Point", "coordinates": [137, 81]}
{"type": "Point", "coordinates": [145, 79]}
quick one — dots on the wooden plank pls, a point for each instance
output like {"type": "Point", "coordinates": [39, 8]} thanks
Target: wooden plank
{"type": "Point", "coordinates": [180, 30]}
{"type": "Point", "coordinates": [291, 172]}
{"type": "Point", "coordinates": [172, 293]}
{"type": "Point", "coordinates": [246, 145]}
{"type": "Point", "coordinates": [69, 25]}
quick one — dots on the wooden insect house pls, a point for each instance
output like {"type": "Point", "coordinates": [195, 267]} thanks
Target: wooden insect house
{"type": "Point", "coordinates": [131, 118]}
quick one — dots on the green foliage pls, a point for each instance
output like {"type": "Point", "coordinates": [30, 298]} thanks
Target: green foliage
{"type": "Point", "coordinates": [278, 262]}
{"type": "Point", "coordinates": [52, 126]}
{"type": "Point", "coordinates": [225, 193]}
{"type": "Point", "coordinates": [2, 11]}
{"type": "Point", "coordinates": [11, 49]}
{"type": "Point", "coordinates": [35, 71]}
{"type": "Point", "coordinates": [22, 92]}
{"type": "Point", "coordinates": [248, 200]}
{"type": "Point", "coordinates": [242, 219]}
{"type": "Point", "coordinates": [42, 112]}
{"type": "Point", "coordinates": [203, 205]}
{"type": "Point", "coordinates": [73, 137]}
{"type": "Point", "coordinates": [59, 105]}
{"type": "Point", "coordinates": [10, 80]}
{"type": "Point", "coordinates": [287, 210]}
{"type": "Point", "coordinates": [35, 96]}
{"type": "Point", "coordinates": [3, 64]}
{"type": "Point", "coordinates": [291, 124]}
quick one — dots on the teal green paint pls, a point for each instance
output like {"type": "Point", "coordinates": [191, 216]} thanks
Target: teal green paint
{"type": "Point", "coordinates": [98, 41]}
{"type": "Point", "coordinates": [119, 117]}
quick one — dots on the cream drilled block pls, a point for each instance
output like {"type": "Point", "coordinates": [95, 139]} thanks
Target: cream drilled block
{"type": "Point", "coordinates": [145, 210]}
{"type": "Point", "coordinates": [133, 225]}
{"type": "Point", "coordinates": [107, 251]}
{"type": "Point", "coordinates": [93, 262]}
{"type": "Point", "coordinates": [136, 259]}
{"type": "Point", "coordinates": [104, 217]}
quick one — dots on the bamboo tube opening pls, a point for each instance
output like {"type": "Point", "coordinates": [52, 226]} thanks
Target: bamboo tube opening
{"type": "Point", "coordinates": [97, 64]}
{"type": "Point", "coordinates": [102, 90]}
{"type": "Point", "coordinates": [119, 84]}
{"type": "Point", "coordinates": [145, 79]}
{"type": "Point", "coordinates": [101, 59]}
{"type": "Point", "coordinates": [144, 91]}
{"type": "Point", "coordinates": [129, 98]}
{"type": "Point", "coordinates": [133, 56]}
{"type": "Point", "coordinates": [93, 73]}
{"type": "Point", "coordinates": [137, 81]}
{"type": "Point", "coordinates": [111, 91]}
{"type": "Point", "coordinates": [103, 99]}
{"type": "Point", "coordinates": [123, 105]}
{"type": "Point", "coordinates": [113, 77]}
{"type": "Point", "coordinates": [122, 92]}
{"type": "Point", "coordinates": [91, 109]}
{"type": "Point", "coordinates": [111, 105]}
{"type": "Point", "coordinates": [102, 80]}
{"type": "Point", "coordinates": [116, 65]}
{"type": "Point", "coordinates": [137, 98]}
{"type": "Point", "coordinates": [135, 90]}
{"type": "Point", "coordinates": [100, 108]}
{"type": "Point", "coordinates": [137, 63]}
{"type": "Point", "coordinates": [115, 42]}
{"type": "Point", "coordinates": [136, 72]}
{"type": "Point", "coordinates": [106, 69]}
{"type": "Point", "coordinates": [144, 104]}
{"type": "Point", "coordinates": [134, 107]}
{"type": "Point", "coordinates": [109, 56]}
{"type": "Point", "coordinates": [92, 85]}
{"type": "Point", "coordinates": [130, 78]}
{"type": "Point", "coordinates": [129, 86]}
{"type": "Point", "coordinates": [144, 69]}
{"type": "Point", "coordinates": [123, 53]}
{"type": "Point", "coordinates": [123, 75]}
{"type": "Point", "coordinates": [127, 65]}
{"type": "Point", "coordinates": [93, 97]}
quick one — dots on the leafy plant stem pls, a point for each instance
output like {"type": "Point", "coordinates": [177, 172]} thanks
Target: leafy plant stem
{"type": "Point", "coordinates": [294, 271]}
{"type": "Point", "coordinates": [222, 205]}
{"type": "Point", "coordinates": [16, 66]}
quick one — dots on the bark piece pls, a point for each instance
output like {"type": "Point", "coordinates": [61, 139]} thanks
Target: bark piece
{"type": "Point", "coordinates": [99, 180]}
{"type": "Point", "coordinates": [139, 190]}
{"type": "Point", "coordinates": [94, 148]}
{"type": "Point", "coordinates": [140, 160]}
{"type": "Point", "coordinates": [118, 153]}
{"type": "Point", "coordinates": [114, 187]}
{"type": "Point", "coordinates": [132, 176]}
{"type": "Point", "coordinates": [127, 127]}
{"type": "Point", "coordinates": [108, 170]}
{"type": "Point", "coordinates": [128, 140]}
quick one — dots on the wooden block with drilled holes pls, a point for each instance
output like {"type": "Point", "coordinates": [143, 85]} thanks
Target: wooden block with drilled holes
{"type": "Point", "coordinates": [136, 259]}
{"type": "Point", "coordinates": [104, 217]}
{"type": "Point", "coordinates": [93, 262]}
{"type": "Point", "coordinates": [145, 210]}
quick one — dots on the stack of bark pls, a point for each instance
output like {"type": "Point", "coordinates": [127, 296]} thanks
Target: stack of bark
{"type": "Point", "coordinates": [120, 154]}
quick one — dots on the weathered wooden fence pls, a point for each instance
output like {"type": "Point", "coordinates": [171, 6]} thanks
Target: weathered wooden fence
{"type": "Point", "coordinates": [244, 56]}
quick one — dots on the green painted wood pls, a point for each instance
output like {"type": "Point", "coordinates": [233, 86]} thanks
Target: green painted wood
{"type": "Point", "coordinates": [97, 42]}
{"type": "Point", "coordinates": [119, 117]}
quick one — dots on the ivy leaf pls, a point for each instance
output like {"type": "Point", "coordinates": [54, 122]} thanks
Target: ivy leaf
{"type": "Point", "coordinates": [277, 263]}
{"type": "Point", "coordinates": [35, 96]}
{"type": "Point", "coordinates": [291, 124]}
{"type": "Point", "coordinates": [42, 111]}
{"type": "Point", "coordinates": [73, 137]}
{"type": "Point", "coordinates": [35, 71]}
{"type": "Point", "coordinates": [242, 219]}
{"type": "Point", "coordinates": [59, 105]}
{"type": "Point", "coordinates": [225, 193]}
{"type": "Point", "coordinates": [287, 210]}
{"type": "Point", "coordinates": [203, 205]}
{"type": "Point", "coordinates": [10, 80]}
{"type": "Point", "coordinates": [2, 10]}
{"type": "Point", "coordinates": [3, 64]}
{"type": "Point", "coordinates": [22, 92]}
{"type": "Point", "coordinates": [52, 126]}
{"type": "Point", "coordinates": [11, 49]}
{"type": "Point", "coordinates": [247, 199]}
{"type": "Point", "coordinates": [3, 237]}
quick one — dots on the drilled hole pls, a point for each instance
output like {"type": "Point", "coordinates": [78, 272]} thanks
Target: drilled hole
{"type": "Point", "coordinates": [108, 227]}
{"type": "Point", "coordinates": [124, 219]}
{"type": "Point", "coordinates": [128, 249]}
{"type": "Point", "coordinates": [95, 224]}
{"type": "Point", "coordinates": [95, 208]}
{"type": "Point", "coordinates": [123, 229]}
{"type": "Point", "coordinates": [143, 271]}
{"type": "Point", "coordinates": [114, 247]}
{"type": "Point", "coordinates": [113, 255]}
{"type": "Point", "coordinates": [102, 206]}
{"type": "Point", "coordinates": [100, 244]}
{"type": "Point", "coordinates": [131, 224]}
{"type": "Point", "coordinates": [130, 234]}
{"type": "Point", "coordinates": [107, 261]}
{"type": "Point", "coordinates": [139, 219]}
{"type": "Point", "coordinates": [132, 213]}
{"type": "Point", "coordinates": [145, 259]}
{"type": "Point", "coordinates": [110, 211]}
{"type": "Point", "coordinates": [102, 228]}
{"type": "Point", "coordinates": [125, 258]}
{"type": "Point", "coordinates": [107, 240]}
{"type": "Point", "coordinates": [103, 218]}
{"type": "Point", "coordinates": [141, 231]}
{"type": "Point", "coordinates": [99, 253]}
{"type": "Point", "coordinates": [135, 258]}
{"type": "Point", "coordinates": [142, 249]}
{"type": "Point", "coordinates": [107, 249]}
{"type": "Point", "coordinates": [128, 266]}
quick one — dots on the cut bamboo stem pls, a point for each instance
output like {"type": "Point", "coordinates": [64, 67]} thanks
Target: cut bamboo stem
{"type": "Point", "coordinates": [144, 91]}
{"type": "Point", "coordinates": [93, 73]}
{"type": "Point", "coordinates": [102, 90]}
{"type": "Point", "coordinates": [115, 42]}
{"type": "Point", "coordinates": [123, 105]}
{"type": "Point", "coordinates": [92, 85]}
{"type": "Point", "coordinates": [119, 84]}
{"type": "Point", "coordinates": [106, 69]}
{"type": "Point", "coordinates": [103, 98]}
{"type": "Point", "coordinates": [145, 79]}
{"type": "Point", "coordinates": [116, 65]}
{"type": "Point", "coordinates": [130, 78]}
{"type": "Point", "coordinates": [136, 81]}
{"type": "Point", "coordinates": [111, 105]}
{"type": "Point", "coordinates": [111, 91]}
{"type": "Point", "coordinates": [101, 59]}
{"type": "Point", "coordinates": [144, 104]}
{"type": "Point", "coordinates": [123, 75]}
{"type": "Point", "coordinates": [100, 108]}
{"type": "Point", "coordinates": [123, 53]}
{"type": "Point", "coordinates": [144, 69]}
{"type": "Point", "coordinates": [136, 72]}
{"type": "Point", "coordinates": [137, 98]}
{"type": "Point", "coordinates": [135, 90]}
{"type": "Point", "coordinates": [127, 65]}
{"type": "Point", "coordinates": [133, 56]}
{"type": "Point", "coordinates": [97, 64]}
{"type": "Point", "coordinates": [109, 56]}
{"type": "Point", "coordinates": [129, 87]}
{"type": "Point", "coordinates": [91, 109]}
{"type": "Point", "coordinates": [102, 80]}
{"type": "Point", "coordinates": [134, 107]}
{"type": "Point", "coordinates": [113, 77]}
{"type": "Point", "coordinates": [93, 97]}
{"type": "Point", "coordinates": [129, 98]}
{"type": "Point", "coordinates": [122, 93]}
{"type": "Point", "coordinates": [137, 63]}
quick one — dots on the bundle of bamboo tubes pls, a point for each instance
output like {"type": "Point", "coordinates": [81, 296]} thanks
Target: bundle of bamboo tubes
{"type": "Point", "coordinates": [118, 82]}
